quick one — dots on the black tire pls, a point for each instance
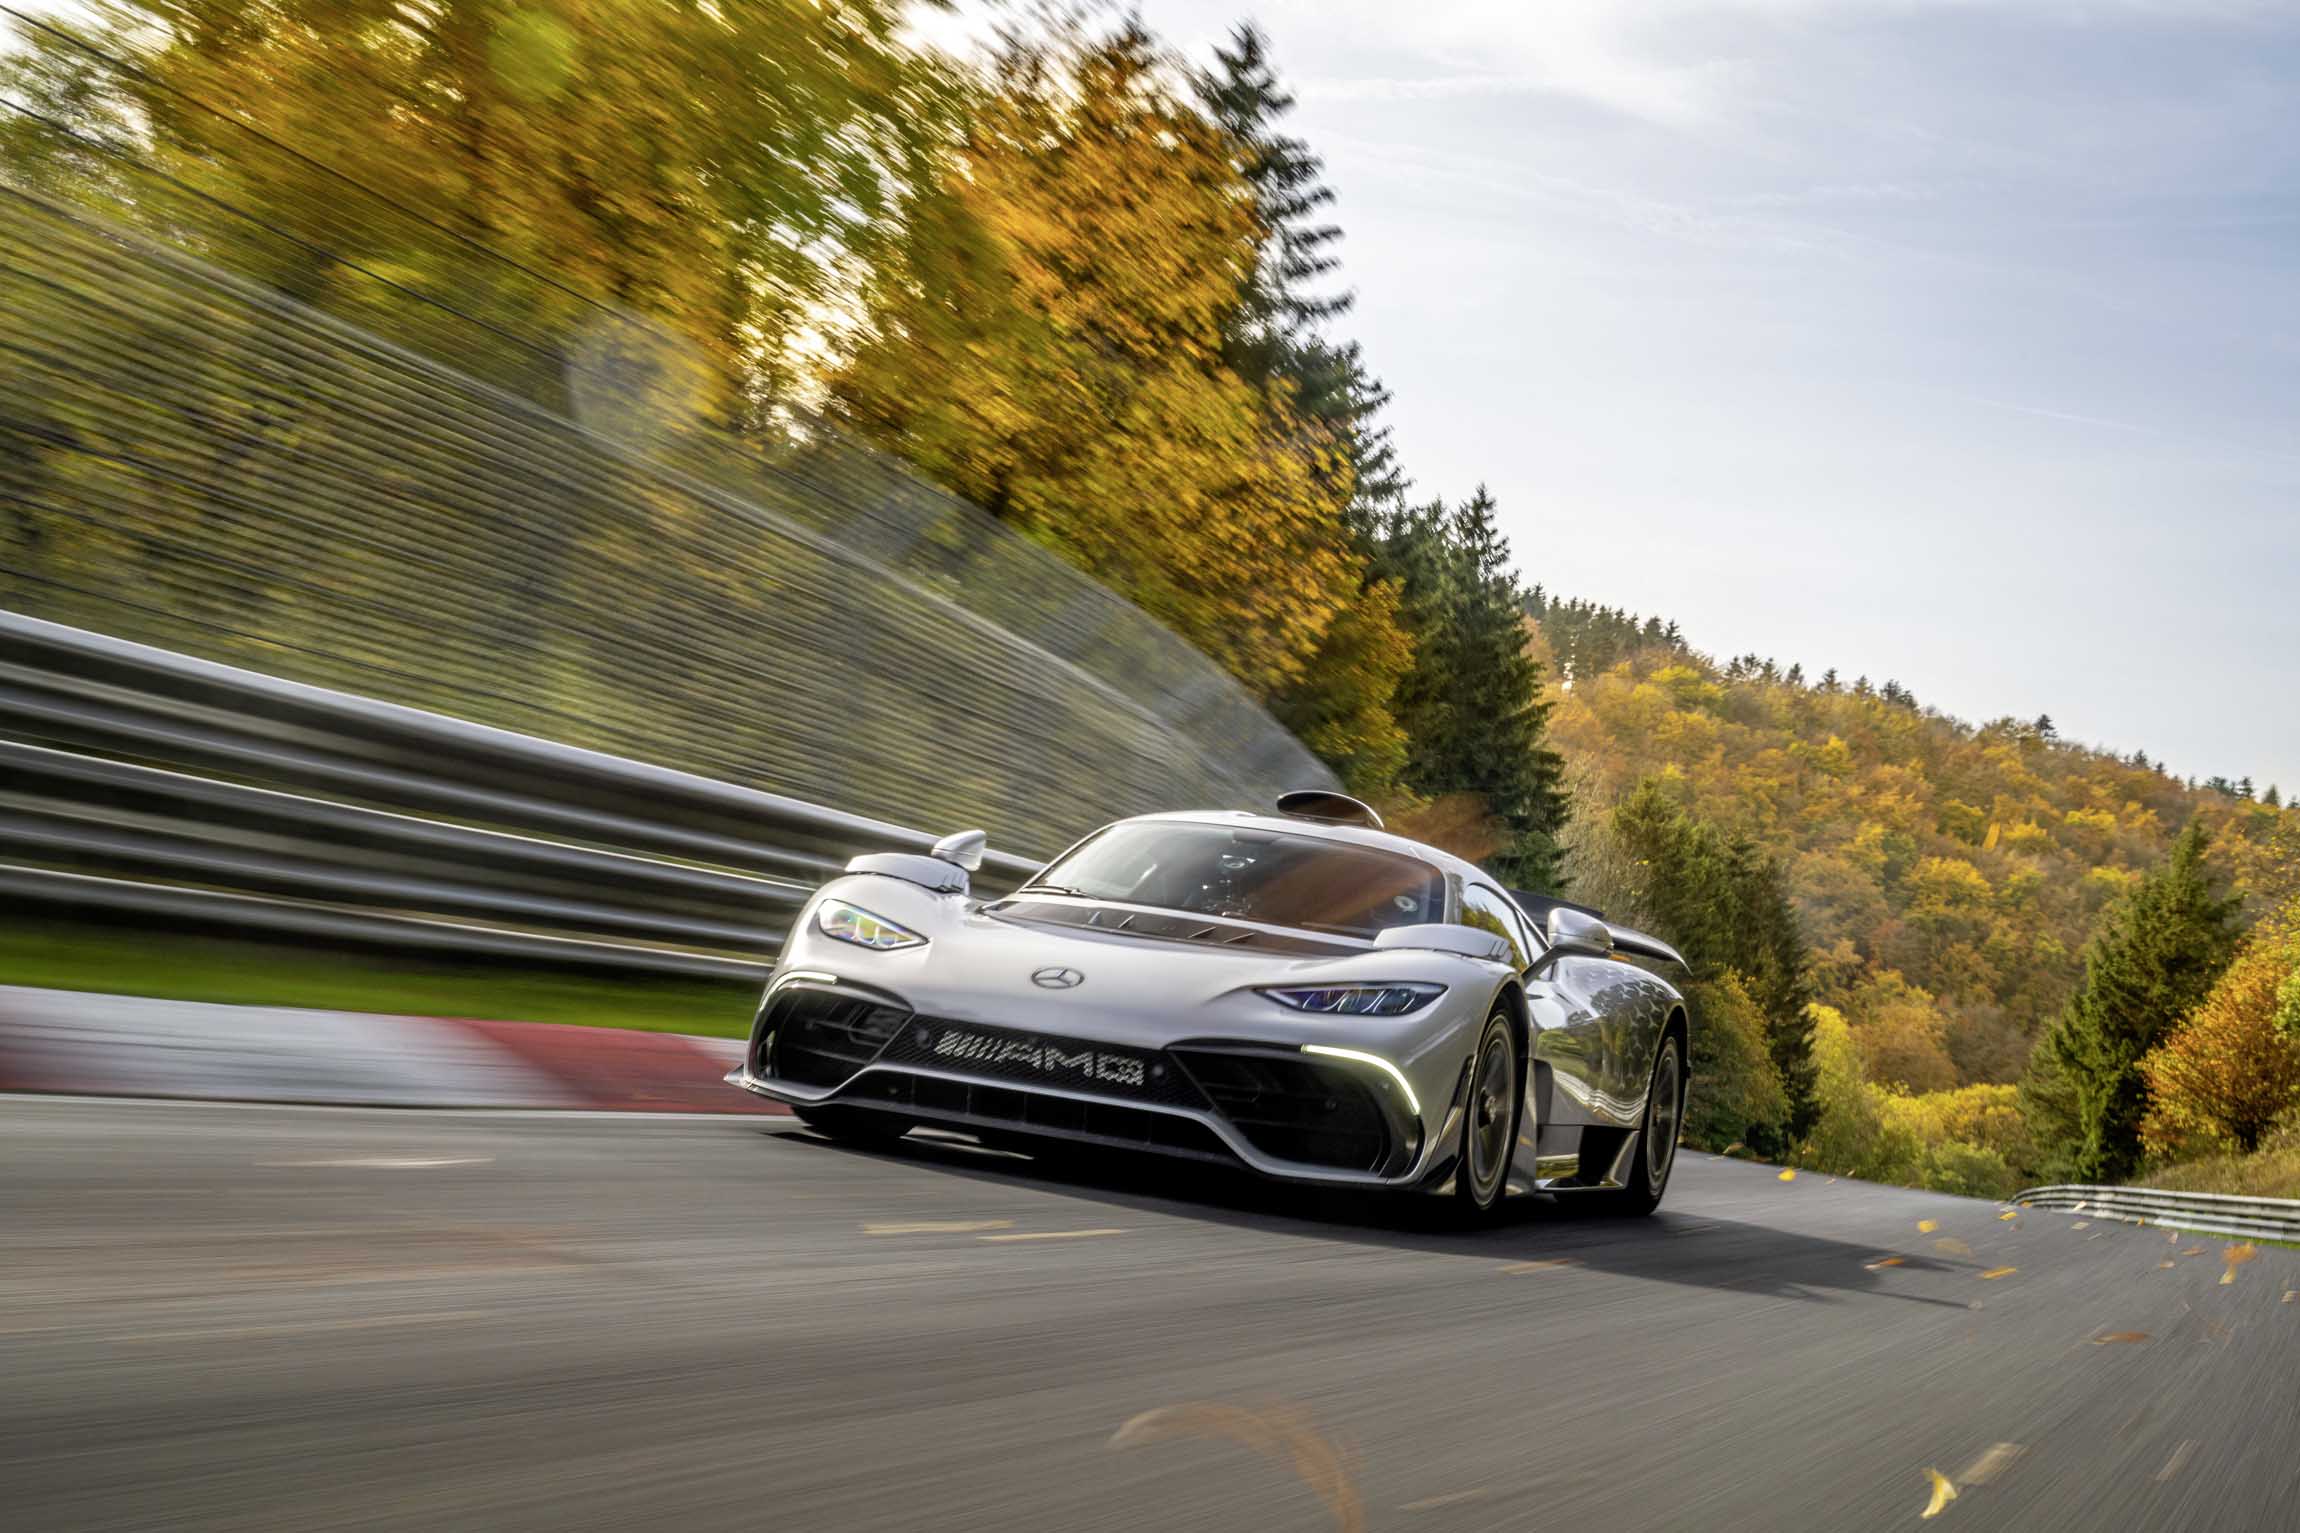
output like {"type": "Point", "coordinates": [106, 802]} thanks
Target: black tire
{"type": "Point", "coordinates": [1489, 1122]}
{"type": "Point", "coordinates": [1655, 1154]}
{"type": "Point", "coordinates": [854, 1125]}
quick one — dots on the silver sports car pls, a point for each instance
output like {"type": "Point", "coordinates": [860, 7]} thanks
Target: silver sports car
{"type": "Point", "coordinates": [1299, 993]}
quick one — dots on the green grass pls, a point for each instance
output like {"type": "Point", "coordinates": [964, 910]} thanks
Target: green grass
{"type": "Point", "coordinates": [2272, 1171]}
{"type": "Point", "coordinates": [127, 960]}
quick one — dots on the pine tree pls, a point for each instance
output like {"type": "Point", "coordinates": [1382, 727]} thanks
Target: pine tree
{"type": "Point", "coordinates": [2149, 964]}
{"type": "Point", "coordinates": [1244, 98]}
{"type": "Point", "coordinates": [1275, 336]}
{"type": "Point", "coordinates": [1769, 950]}
{"type": "Point", "coordinates": [2272, 798]}
{"type": "Point", "coordinates": [1472, 707]}
{"type": "Point", "coordinates": [1321, 390]}
{"type": "Point", "coordinates": [1726, 906]}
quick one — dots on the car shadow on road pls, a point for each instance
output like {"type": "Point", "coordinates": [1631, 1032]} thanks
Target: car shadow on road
{"type": "Point", "coordinates": [1690, 1248]}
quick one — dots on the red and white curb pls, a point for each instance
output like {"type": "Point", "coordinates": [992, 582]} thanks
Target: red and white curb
{"type": "Point", "coordinates": [120, 1045]}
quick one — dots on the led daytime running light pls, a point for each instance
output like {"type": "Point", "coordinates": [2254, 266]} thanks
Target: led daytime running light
{"type": "Point", "coordinates": [1359, 1056]}
{"type": "Point", "coordinates": [852, 923]}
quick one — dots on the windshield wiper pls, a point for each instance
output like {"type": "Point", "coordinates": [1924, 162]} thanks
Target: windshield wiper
{"type": "Point", "coordinates": [1054, 889]}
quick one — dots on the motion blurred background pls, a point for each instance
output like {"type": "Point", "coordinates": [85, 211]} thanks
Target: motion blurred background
{"type": "Point", "coordinates": [498, 499]}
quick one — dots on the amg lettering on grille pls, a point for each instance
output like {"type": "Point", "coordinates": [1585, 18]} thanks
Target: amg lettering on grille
{"type": "Point", "coordinates": [1045, 1058]}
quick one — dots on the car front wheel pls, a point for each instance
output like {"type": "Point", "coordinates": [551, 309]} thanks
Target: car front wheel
{"type": "Point", "coordinates": [1489, 1122]}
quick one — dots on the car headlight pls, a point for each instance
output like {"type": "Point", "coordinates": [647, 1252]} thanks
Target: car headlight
{"type": "Point", "coordinates": [1360, 1000]}
{"type": "Point", "coordinates": [852, 923]}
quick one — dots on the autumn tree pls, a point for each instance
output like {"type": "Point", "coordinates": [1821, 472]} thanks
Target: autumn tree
{"type": "Point", "coordinates": [555, 175]}
{"type": "Point", "coordinates": [2153, 962]}
{"type": "Point", "coordinates": [2227, 1074]}
{"type": "Point", "coordinates": [1734, 1094]}
{"type": "Point", "coordinates": [1054, 351]}
{"type": "Point", "coordinates": [1903, 1035]}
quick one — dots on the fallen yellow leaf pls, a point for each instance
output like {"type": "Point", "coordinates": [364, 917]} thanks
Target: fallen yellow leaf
{"type": "Point", "coordinates": [1943, 1493]}
{"type": "Point", "coordinates": [1788, 1176]}
{"type": "Point", "coordinates": [1886, 1261]}
{"type": "Point", "coordinates": [2081, 1224]}
{"type": "Point", "coordinates": [2010, 1213]}
{"type": "Point", "coordinates": [1280, 1432]}
{"type": "Point", "coordinates": [2117, 1336]}
{"type": "Point", "coordinates": [1998, 1272]}
{"type": "Point", "coordinates": [1927, 1226]}
{"type": "Point", "coordinates": [2162, 1265]}
{"type": "Point", "coordinates": [2290, 1294]}
{"type": "Point", "coordinates": [1729, 1149]}
{"type": "Point", "coordinates": [2193, 1251]}
{"type": "Point", "coordinates": [1951, 1246]}
{"type": "Point", "coordinates": [2237, 1256]}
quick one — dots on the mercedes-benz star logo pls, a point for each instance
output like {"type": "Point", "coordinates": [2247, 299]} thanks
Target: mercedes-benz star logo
{"type": "Point", "coordinates": [1058, 979]}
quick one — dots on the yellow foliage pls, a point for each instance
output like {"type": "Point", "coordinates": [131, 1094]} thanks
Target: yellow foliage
{"type": "Point", "coordinates": [633, 154]}
{"type": "Point", "coordinates": [2228, 1073]}
{"type": "Point", "coordinates": [1055, 355]}
{"type": "Point", "coordinates": [1687, 687]}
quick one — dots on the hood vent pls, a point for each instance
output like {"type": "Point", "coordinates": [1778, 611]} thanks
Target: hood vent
{"type": "Point", "coordinates": [1167, 926]}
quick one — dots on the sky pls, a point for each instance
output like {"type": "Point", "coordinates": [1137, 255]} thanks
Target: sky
{"type": "Point", "coordinates": [1949, 341]}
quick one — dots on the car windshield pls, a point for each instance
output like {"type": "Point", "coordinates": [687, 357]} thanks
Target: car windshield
{"type": "Point", "coordinates": [1253, 875]}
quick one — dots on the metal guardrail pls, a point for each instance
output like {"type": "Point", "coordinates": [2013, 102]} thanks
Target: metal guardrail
{"type": "Point", "coordinates": [135, 779]}
{"type": "Point", "coordinates": [2206, 1213]}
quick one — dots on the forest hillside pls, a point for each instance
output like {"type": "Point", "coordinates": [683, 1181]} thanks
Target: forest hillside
{"type": "Point", "coordinates": [1946, 875]}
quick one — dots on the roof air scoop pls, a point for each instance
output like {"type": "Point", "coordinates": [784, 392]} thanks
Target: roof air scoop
{"type": "Point", "coordinates": [1328, 808]}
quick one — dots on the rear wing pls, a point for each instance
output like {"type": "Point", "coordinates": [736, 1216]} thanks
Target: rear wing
{"type": "Point", "coordinates": [1625, 939]}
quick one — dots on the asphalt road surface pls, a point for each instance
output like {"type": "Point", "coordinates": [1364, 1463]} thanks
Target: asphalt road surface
{"type": "Point", "coordinates": [261, 1317]}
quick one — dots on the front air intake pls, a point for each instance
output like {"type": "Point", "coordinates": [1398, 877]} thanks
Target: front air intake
{"type": "Point", "coordinates": [821, 1037]}
{"type": "Point", "coordinates": [1291, 1108]}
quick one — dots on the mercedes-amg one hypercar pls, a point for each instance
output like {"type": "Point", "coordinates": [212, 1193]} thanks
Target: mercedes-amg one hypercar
{"type": "Point", "coordinates": [1299, 993]}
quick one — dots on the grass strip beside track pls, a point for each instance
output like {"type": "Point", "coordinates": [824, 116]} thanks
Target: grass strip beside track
{"type": "Point", "coordinates": [186, 966]}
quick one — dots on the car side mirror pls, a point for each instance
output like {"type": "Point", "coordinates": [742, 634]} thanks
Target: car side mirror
{"type": "Point", "coordinates": [962, 849]}
{"type": "Point", "coordinates": [1574, 931]}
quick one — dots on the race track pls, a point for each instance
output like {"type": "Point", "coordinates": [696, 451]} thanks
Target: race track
{"type": "Point", "coordinates": [302, 1318]}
